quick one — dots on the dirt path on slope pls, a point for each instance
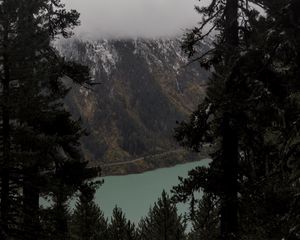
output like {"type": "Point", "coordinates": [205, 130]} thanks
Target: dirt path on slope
{"type": "Point", "coordinates": [140, 158]}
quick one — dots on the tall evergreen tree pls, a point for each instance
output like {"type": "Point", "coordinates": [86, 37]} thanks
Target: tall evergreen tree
{"type": "Point", "coordinates": [88, 221]}
{"type": "Point", "coordinates": [225, 17]}
{"type": "Point", "coordinates": [248, 113]}
{"type": "Point", "coordinates": [163, 222]}
{"type": "Point", "coordinates": [7, 16]}
{"type": "Point", "coordinates": [120, 228]}
{"type": "Point", "coordinates": [38, 136]}
{"type": "Point", "coordinates": [205, 220]}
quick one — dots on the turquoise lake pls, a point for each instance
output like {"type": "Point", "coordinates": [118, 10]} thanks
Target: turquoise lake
{"type": "Point", "coordinates": [136, 193]}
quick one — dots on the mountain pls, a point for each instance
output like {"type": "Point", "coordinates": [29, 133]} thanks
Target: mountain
{"type": "Point", "coordinates": [146, 86]}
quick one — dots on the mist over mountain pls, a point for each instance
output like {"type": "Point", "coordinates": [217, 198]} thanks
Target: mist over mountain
{"type": "Point", "coordinates": [146, 86]}
{"type": "Point", "coordinates": [134, 18]}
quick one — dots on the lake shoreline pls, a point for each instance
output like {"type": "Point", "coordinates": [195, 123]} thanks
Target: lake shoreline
{"type": "Point", "coordinates": [151, 163]}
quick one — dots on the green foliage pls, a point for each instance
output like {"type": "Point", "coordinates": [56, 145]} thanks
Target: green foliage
{"type": "Point", "coordinates": [205, 219]}
{"type": "Point", "coordinates": [120, 228]}
{"type": "Point", "coordinates": [88, 221]}
{"type": "Point", "coordinates": [39, 139]}
{"type": "Point", "coordinates": [162, 222]}
{"type": "Point", "coordinates": [254, 84]}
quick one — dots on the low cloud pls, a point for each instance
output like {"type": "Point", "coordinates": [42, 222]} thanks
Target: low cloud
{"type": "Point", "coordinates": [134, 18]}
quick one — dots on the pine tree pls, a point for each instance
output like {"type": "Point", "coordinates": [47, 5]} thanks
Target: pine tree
{"type": "Point", "coordinates": [120, 228]}
{"type": "Point", "coordinates": [60, 218]}
{"type": "Point", "coordinates": [7, 36]}
{"type": "Point", "coordinates": [257, 88]}
{"type": "Point", "coordinates": [163, 222]}
{"type": "Point", "coordinates": [205, 221]}
{"type": "Point", "coordinates": [280, 47]}
{"type": "Point", "coordinates": [88, 221]}
{"type": "Point", "coordinates": [39, 138]}
{"type": "Point", "coordinates": [220, 102]}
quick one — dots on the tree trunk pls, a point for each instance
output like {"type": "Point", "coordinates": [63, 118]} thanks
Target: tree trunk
{"type": "Point", "coordinates": [31, 204]}
{"type": "Point", "coordinates": [229, 206]}
{"type": "Point", "coordinates": [6, 144]}
{"type": "Point", "coordinates": [231, 26]}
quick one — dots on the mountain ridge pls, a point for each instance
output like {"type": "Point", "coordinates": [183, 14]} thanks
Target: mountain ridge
{"type": "Point", "coordinates": [146, 86]}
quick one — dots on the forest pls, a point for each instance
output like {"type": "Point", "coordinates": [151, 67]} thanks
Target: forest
{"type": "Point", "coordinates": [250, 116]}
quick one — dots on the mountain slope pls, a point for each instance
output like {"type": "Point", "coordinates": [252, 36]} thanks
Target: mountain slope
{"type": "Point", "coordinates": [145, 88]}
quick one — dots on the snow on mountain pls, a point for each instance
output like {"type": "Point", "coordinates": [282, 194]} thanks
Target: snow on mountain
{"type": "Point", "coordinates": [146, 87]}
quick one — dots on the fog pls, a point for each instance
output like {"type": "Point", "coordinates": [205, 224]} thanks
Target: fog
{"type": "Point", "coordinates": [134, 18]}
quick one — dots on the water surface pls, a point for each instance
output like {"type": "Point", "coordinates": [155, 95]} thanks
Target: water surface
{"type": "Point", "coordinates": [135, 193]}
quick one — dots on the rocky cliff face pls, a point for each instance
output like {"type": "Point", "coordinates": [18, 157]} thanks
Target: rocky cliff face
{"type": "Point", "coordinates": [145, 88]}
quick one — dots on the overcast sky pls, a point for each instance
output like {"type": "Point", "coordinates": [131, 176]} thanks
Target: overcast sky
{"type": "Point", "coordinates": [134, 18]}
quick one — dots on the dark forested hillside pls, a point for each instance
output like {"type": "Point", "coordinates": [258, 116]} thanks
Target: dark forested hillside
{"type": "Point", "coordinates": [145, 88]}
